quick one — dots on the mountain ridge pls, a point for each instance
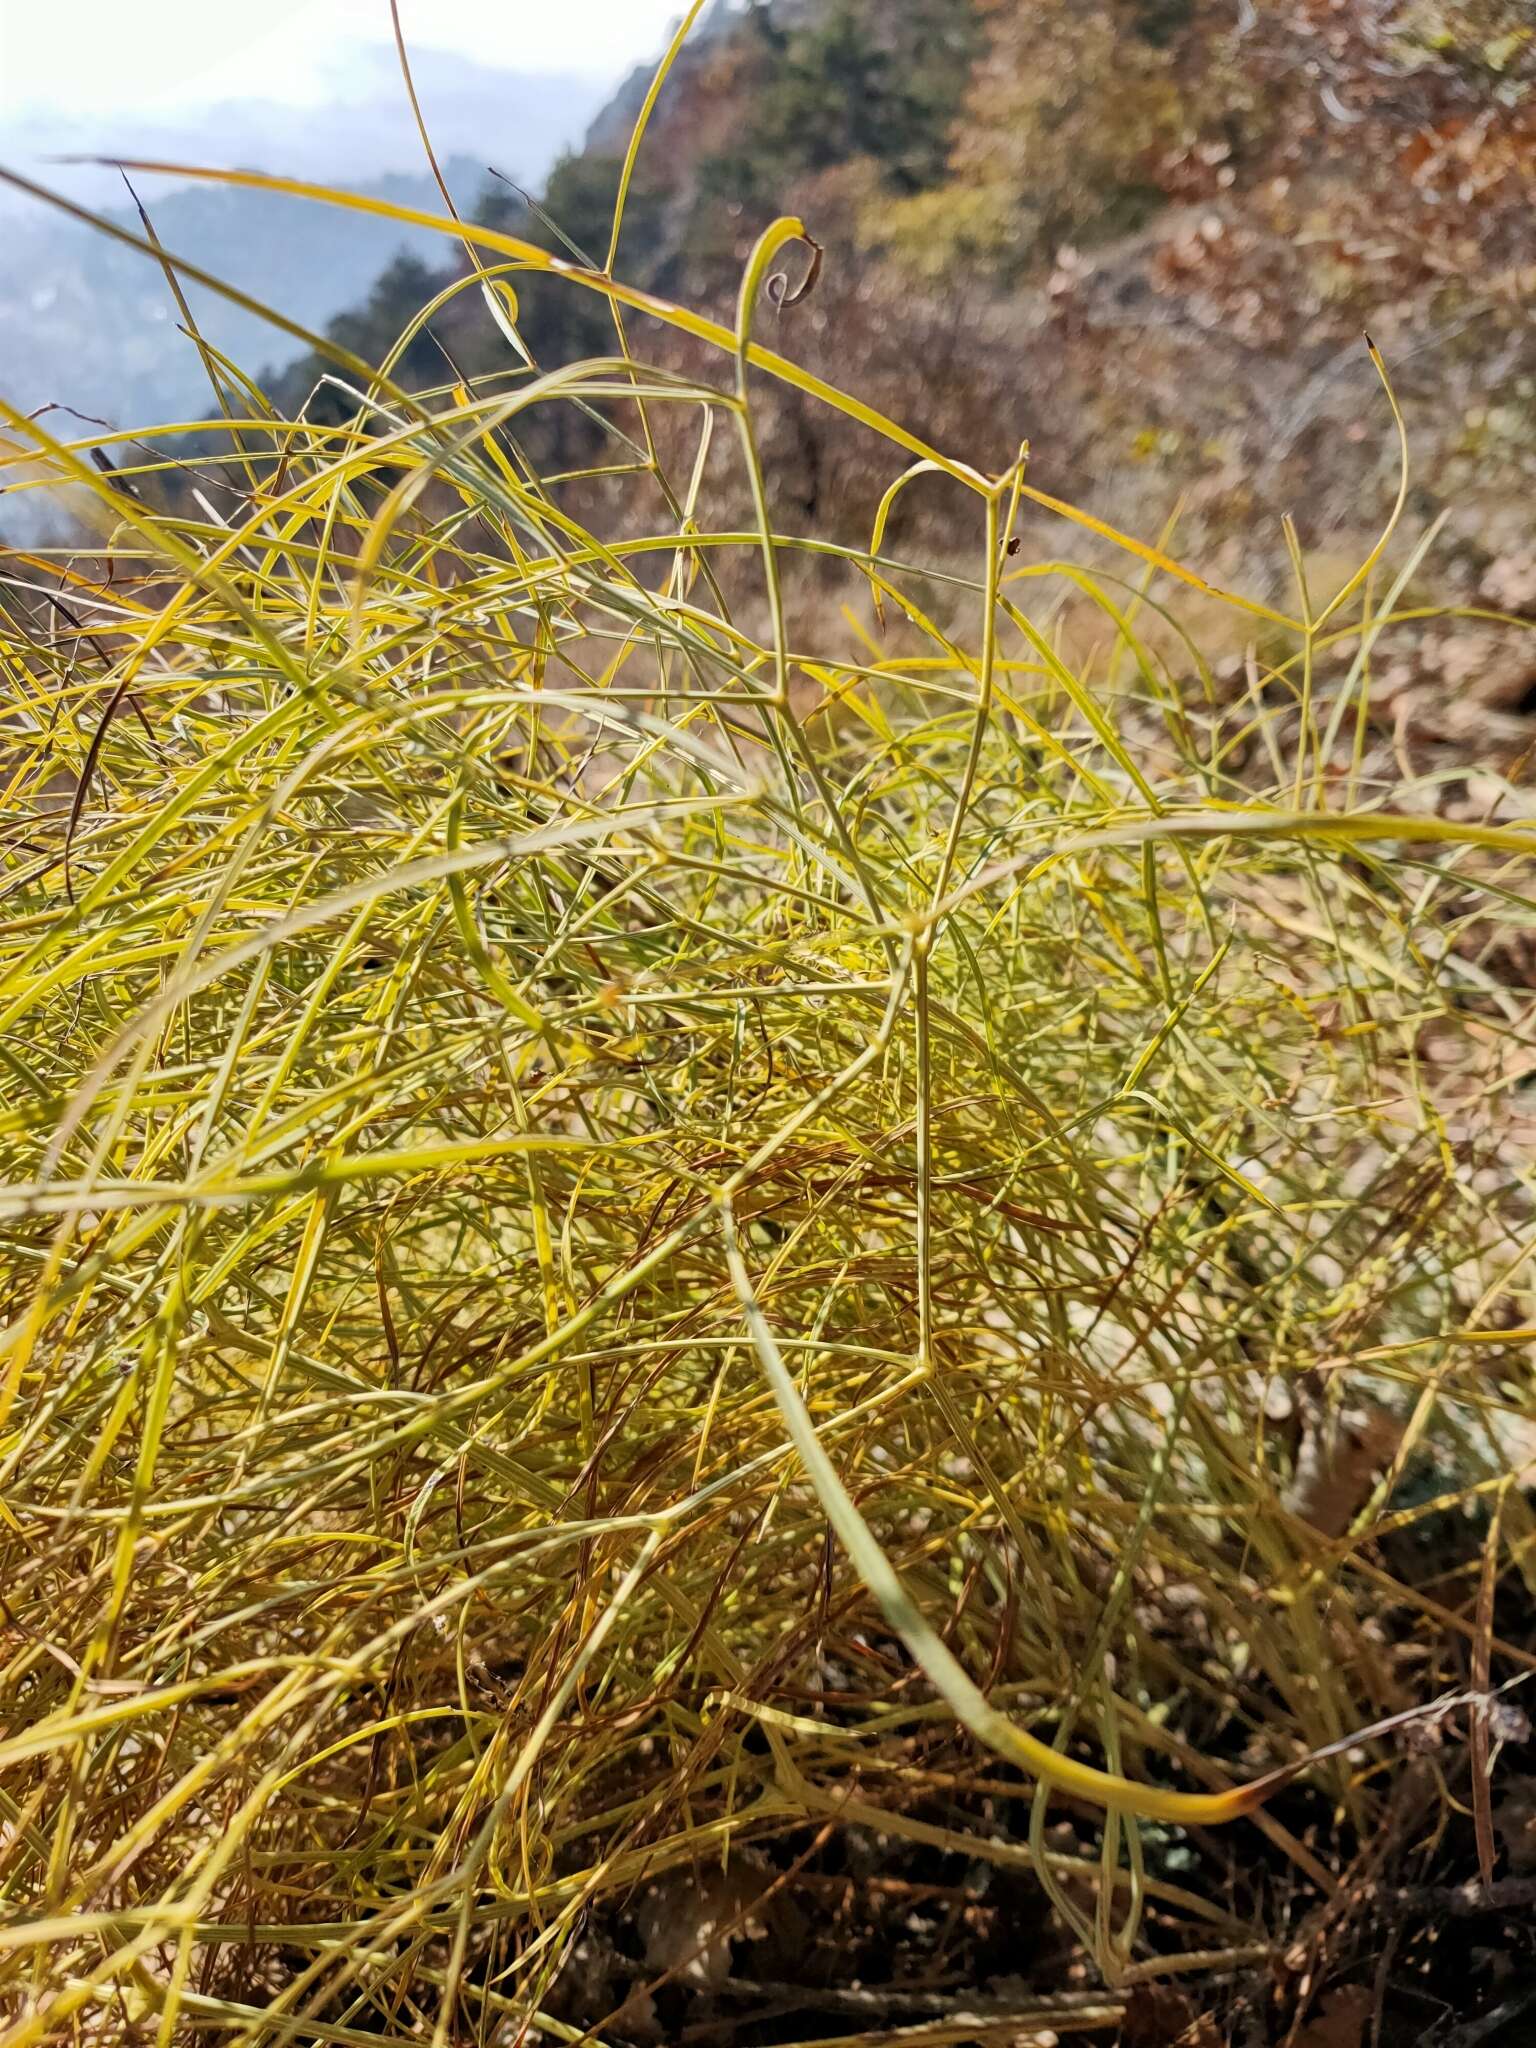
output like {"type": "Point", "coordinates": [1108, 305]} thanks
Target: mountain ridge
{"type": "Point", "coordinates": [90, 324]}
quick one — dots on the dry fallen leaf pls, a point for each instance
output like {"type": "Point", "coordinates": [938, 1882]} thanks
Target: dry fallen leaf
{"type": "Point", "coordinates": [1337, 1463]}
{"type": "Point", "coordinates": [1340, 2021]}
{"type": "Point", "coordinates": [1164, 2016]}
{"type": "Point", "coordinates": [688, 1922]}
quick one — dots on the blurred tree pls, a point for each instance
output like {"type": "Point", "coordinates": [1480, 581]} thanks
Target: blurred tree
{"type": "Point", "coordinates": [574, 220]}
{"type": "Point", "coordinates": [858, 81]}
{"type": "Point", "coordinates": [369, 331]}
{"type": "Point", "coordinates": [558, 324]}
{"type": "Point", "coordinates": [1069, 110]}
{"type": "Point", "coordinates": [398, 295]}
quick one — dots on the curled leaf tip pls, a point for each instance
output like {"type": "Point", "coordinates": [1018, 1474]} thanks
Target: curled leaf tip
{"type": "Point", "coordinates": [778, 286]}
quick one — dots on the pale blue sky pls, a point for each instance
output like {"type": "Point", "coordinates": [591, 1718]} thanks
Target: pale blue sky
{"type": "Point", "coordinates": [159, 59]}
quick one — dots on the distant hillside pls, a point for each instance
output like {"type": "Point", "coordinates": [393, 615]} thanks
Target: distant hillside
{"type": "Point", "coordinates": [1147, 235]}
{"type": "Point", "coordinates": [90, 324]}
{"type": "Point", "coordinates": [357, 124]}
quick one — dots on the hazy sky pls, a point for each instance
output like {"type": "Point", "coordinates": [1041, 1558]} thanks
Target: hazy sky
{"type": "Point", "coordinates": [160, 58]}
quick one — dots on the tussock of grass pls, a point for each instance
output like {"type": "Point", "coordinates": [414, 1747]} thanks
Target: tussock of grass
{"type": "Point", "coordinates": [531, 1087]}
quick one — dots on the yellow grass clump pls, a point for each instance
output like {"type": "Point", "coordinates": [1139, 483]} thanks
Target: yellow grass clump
{"type": "Point", "coordinates": [625, 1232]}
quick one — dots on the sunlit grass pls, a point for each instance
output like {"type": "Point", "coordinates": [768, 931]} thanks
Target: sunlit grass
{"type": "Point", "coordinates": [530, 1088]}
